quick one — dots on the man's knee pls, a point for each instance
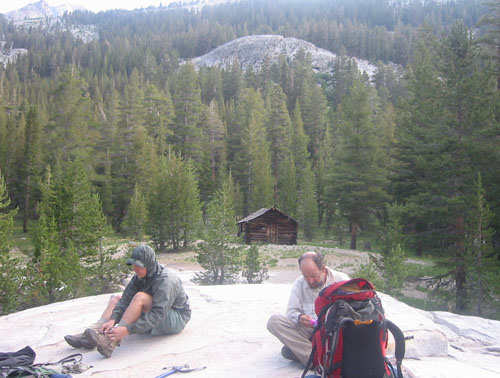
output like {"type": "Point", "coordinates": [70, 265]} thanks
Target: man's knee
{"type": "Point", "coordinates": [114, 299]}
{"type": "Point", "coordinates": [273, 323]}
{"type": "Point", "coordinates": [143, 299]}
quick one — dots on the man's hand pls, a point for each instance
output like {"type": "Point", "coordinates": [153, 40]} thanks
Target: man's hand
{"type": "Point", "coordinates": [305, 321]}
{"type": "Point", "coordinates": [108, 325]}
{"type": "Point", "coordinates": [117, 333]}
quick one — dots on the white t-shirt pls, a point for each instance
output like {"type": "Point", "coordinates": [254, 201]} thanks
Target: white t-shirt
{"type": "Point", "coordinates": [303, 296]}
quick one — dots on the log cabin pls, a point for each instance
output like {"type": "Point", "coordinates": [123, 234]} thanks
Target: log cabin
{"type": "Point", "coordinates": [268, 225]}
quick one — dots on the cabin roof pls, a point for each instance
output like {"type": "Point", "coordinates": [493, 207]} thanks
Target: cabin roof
{"type": "Point", "coordinates": [261, 212]}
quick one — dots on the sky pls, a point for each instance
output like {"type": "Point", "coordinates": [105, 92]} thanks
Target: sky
{"type": "Point", "coordinates": [92, 5]}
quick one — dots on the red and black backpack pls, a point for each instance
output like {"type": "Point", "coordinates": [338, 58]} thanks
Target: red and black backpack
{"type": "Point", "coordinates": [350, 338]}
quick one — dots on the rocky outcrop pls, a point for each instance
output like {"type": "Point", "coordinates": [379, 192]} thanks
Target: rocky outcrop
{"type": "Point", "coordinates": [252, 51]}
{"type": "Point", "coordinates": [228, 335]}
{"type": "Point", "coordinates": [10, 56]}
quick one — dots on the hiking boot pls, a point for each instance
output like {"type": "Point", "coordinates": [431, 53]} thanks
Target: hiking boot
{"type": "Point", "coordinates": [79, 341]}
{"type": "Point", "coordinates": [104, 345]}
{"type": "Point", "coordinates": [288, 354]}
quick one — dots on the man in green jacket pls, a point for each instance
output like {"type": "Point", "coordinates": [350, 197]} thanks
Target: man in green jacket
{"type": "Point", "coordinates": [153, 302]}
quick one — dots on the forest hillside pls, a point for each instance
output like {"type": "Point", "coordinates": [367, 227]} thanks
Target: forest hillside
{"type": "Point", "coordinates": [107, 131]}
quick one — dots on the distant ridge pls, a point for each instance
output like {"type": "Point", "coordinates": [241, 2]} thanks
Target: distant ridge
{"type": "Point", "coordinates": [41, 9]}
{"type": "Point", "coordinates": [251, 51]}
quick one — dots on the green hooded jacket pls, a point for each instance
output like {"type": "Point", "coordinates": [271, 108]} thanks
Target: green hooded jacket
{"type": "Point", "coordinates": [161, 283]}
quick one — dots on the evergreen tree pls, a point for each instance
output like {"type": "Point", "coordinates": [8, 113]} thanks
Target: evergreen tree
{"type": "Point", "coordinates": [314, 115]}
{"type": "Point", "coordinates": [71, 116]}
{"type": "Point", "coordinates": [10, 268]}
{"type": "Point", "coordinates": [187, 135]}
{"type": "Point", "coordinates": [128, 140]}
{"type": "Point", "coordinates": [299, 143]}
{"type": "Point", "coordinates": [443, 134]}
{"type": "Point", "coordinates": [254, 270]}
{"type": "Point", "coordinates": [214, 160]}
{"type": "Point", "coordinates": [134, 223]}
{"type": "Point", "coordinates": [358, 179]}
{"type": "Point", "coordinates": [287, 187]}
{"type": "Point", "coordinates": [279, 128]}
{"type": "Point", "coordinates": [219, 253]}
{"type": "Point", "coordinates": [483, 267]}
{"type": "Point", "coordinates": [159, 116]}
{"type": "Point", "coordinates": [491, 39]}
{"type": "Point", "coordinates": [173, 204]}
{"type": "Point", "coordinates": [308, 205]}
{"type": "Point", "coordinates": [31, 163]}
{"type": "Point", "coordinates": [251, 164]}
{"type": "Point", "coordinates": [69, 200]}
{"type": "Point", "coordinates": [60, 274]}
{"type": "Point", "coordinates": [260, 179]}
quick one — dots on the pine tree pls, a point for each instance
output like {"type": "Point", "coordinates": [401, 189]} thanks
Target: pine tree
{"type": "Point", "coordinates": [251, 164]}
{"type": "Point", "coordinates": [129, 139]}
{"type": "Point", "coordinates": [219, 253]}
{"type": "Point", "coordinates": [287, 187]}
{"type": "Point", "coordinates": [314, 115]}
{"type": "Point", "coordinates": [69, 200]}
{"type": "Point", "coordinates": [187, 135]}
{"type": "Point", "coordinates": [450, 110]}
{"type": "Point", "coordinates": [308, 205]}
{"type": "Point", "coordinates": [134, 223]}
{"type": "Point", "coordinates": [214, 154]}
{"type": "Point", "coordinates": [60, 274]}
{"type": "Point", "coordinates": [173, 204]}
{"type": "Point", "coordinates": [10, 268]}
{"type": "Point", "coordinates": [483, 267]}
{"type": "Point", "coordinates": [279, 128]}
{"type": "Point", "coordinates": [159, 116]}
{"type": "Point", "coordinates": [260, 179]}
{"type": "Point", "coordinates": [299, 143]}
{"type": "Point", "coordinates": [31, 163]}
{"type": "Point", "coordinates": [358, 180]}
{"type": "Point", "coordinates": [491, 39]}
{"type": "Point", "coordinates": [71, 116]}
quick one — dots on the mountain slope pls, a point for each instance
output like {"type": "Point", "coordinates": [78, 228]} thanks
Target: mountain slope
{"type": "Point", "coordinates": [41, 9]}
{"type": "Point", "coordinates": [253, 50]}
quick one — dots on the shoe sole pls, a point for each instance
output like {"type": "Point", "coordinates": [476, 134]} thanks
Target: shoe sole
{"type": "Point", "coordinates": [78, 343]}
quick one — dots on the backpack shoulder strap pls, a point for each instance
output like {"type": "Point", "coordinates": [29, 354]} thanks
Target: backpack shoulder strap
{"type": "Point", "coordinates": [309, 363]}
{"type": "Point", "coordinates": [400, 344]}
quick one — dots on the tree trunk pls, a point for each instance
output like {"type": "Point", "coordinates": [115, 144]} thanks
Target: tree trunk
{"type": "Point", "coordinates": [26, 204]}
{"type": "Point", "coordinates": [460, 272]}
{"type": "Point", "coordinates": [354, 229]}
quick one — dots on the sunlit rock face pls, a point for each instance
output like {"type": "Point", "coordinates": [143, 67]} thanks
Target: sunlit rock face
{"type": "Point", "coordinates": [253, 51]}
{"type": "Point", "coordinates": [227, 334]}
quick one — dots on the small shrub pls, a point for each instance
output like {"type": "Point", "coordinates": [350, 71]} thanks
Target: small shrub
{"type": "Point", "coordinates": [254, 270]}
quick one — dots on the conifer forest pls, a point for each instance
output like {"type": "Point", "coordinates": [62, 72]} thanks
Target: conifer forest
{"type": "Point", "coordinates": [121, 135]}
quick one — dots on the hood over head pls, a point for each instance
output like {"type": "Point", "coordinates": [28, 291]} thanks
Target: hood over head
{"type": "Point", "coordinates": [143, 256]}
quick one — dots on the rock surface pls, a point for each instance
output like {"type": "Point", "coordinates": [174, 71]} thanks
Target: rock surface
{"type": "Point", "coordinates": [251, 51]}
{"type": "Point", "coordinates": [228, 335]}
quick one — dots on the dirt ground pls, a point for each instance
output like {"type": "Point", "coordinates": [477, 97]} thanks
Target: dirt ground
{"type": "Point", "coordinates": [281, 260]}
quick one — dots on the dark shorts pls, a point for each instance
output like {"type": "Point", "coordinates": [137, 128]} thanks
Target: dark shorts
{"type": "Point", "coordinates": [173, 323]}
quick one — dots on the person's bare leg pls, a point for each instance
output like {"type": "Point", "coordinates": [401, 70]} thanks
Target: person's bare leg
{"type": "Point", "coordinates": [142, 302]}
{"type": "Point", "coordinates": [106, 315]}
{"type": "Point", "coordinates": [80, 340]}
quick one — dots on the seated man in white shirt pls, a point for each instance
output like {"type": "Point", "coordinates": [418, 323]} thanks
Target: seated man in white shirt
{"type": "Point", "coordinates": [295, 330]}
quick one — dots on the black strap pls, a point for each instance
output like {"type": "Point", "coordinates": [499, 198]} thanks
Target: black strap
{"type": "Point", "coordinates": [72, 358]}
{"type": "Point", "coordinates": [309, 362]}
{"type": "Point", "coordinates": [400, 345]}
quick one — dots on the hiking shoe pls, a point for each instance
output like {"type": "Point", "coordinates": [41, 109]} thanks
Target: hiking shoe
{"type": "Point", "coordinates": [104, 345]}
{"type": "Point", "coordinates": [79, 341]}
{"type": "Point", "coordinates": [288, 354]}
